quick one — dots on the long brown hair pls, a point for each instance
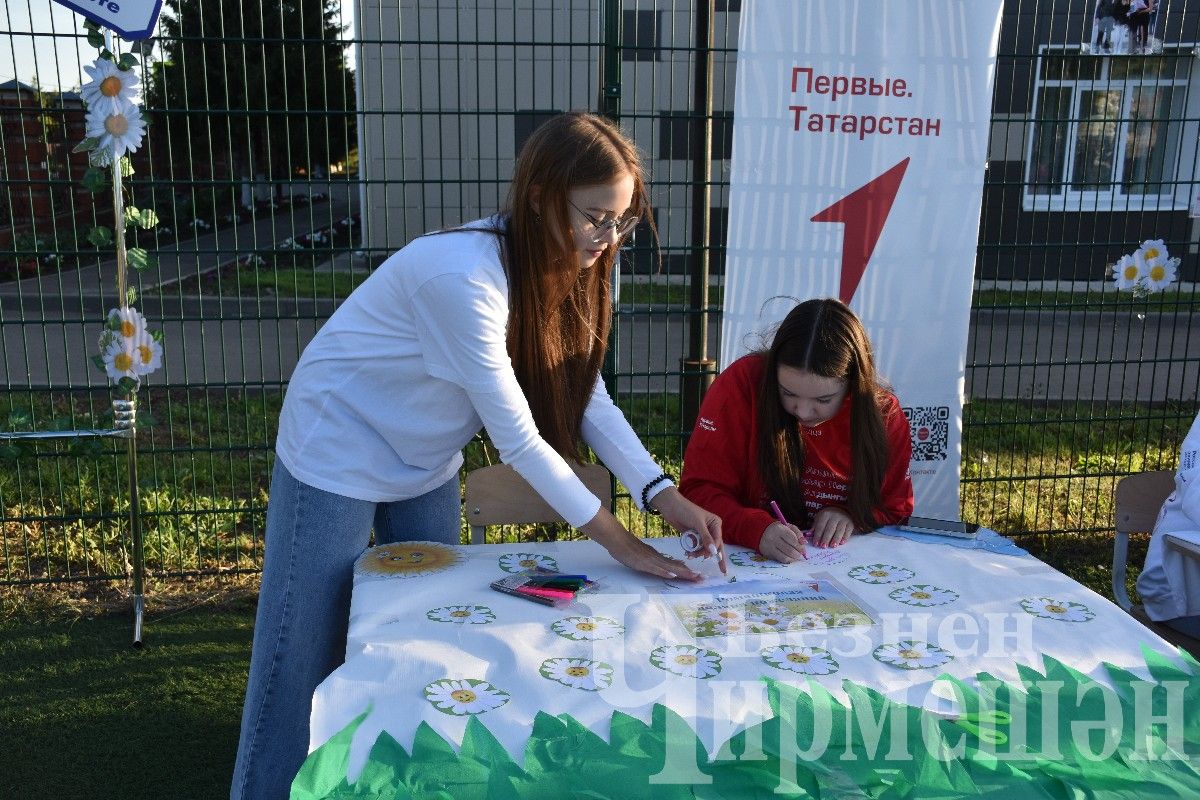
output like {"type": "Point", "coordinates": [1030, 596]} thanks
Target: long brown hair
{"type": "Point", "coordinates": [823, 337]}
{"type": "Point", "coordinates": [559, 314]}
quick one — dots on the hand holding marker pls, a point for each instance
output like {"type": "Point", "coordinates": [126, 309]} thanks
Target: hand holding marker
{"type": "Point", "coordinates": [690, 541]}
{"type": "Point", "coordinates": [783, 521]}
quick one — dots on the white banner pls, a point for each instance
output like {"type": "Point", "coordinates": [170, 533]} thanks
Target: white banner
{"type": "Point", "coordinates": [860, 140]}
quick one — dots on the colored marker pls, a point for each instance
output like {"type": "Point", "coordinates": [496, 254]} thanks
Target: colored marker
{"type": "Point", "coordinates": [783, 521]}
{"type": "Point", "coordinates": [551, 593]}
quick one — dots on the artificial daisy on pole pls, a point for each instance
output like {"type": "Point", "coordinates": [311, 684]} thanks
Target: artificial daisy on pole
{"type": "Point", "coordinates": [128, 349]}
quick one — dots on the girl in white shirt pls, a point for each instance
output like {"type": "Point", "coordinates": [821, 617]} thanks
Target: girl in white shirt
{"type": "Point", "coordinates": [502, 324]}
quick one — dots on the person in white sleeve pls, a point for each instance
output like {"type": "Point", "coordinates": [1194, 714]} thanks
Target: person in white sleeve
{"type": "Point", "coordinates": [499, 324]}
{"type": "Point", "coordinates": [1169, 583]}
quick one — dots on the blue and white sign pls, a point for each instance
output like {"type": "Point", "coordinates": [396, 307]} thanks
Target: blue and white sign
{"type": "Point", "coordinates": [132, 19]}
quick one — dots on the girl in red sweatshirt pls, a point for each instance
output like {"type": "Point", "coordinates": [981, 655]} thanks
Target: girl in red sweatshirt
{"type": "Point", "coordinates": [808, 424]}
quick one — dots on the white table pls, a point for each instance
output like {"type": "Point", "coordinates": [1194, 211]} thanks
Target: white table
{"type": "Point", "coordinates": [430, 645]}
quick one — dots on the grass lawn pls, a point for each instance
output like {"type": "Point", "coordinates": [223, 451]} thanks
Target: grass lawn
{"type": "Point", "coordinates": [87, 716]}
{"type": "Point", "coordinates": [84, 715]}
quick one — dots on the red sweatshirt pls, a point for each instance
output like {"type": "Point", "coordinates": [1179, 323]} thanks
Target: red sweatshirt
{"type": "Point", "coordinates": [720, 467]}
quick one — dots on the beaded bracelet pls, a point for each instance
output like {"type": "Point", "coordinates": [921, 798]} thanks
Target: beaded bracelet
{"type": "Point", "coordinates": [646, 492]}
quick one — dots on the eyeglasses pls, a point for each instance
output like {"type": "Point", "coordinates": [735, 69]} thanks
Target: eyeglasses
{"type": "Point", "coordinates": [610, 222]}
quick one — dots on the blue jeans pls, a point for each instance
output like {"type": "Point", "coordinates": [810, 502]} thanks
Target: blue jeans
{"type": "Point", "coordinates": [312, 540]}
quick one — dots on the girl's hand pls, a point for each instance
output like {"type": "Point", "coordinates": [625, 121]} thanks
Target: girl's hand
{"type": "Point", "coordinates": [684, 515]}
{"type": "Point", "coordinates": [831, 527]}
{"type": "Point", "coordinates": [784, 543]}
{"type": "Point", "coordinates": [607, 531]}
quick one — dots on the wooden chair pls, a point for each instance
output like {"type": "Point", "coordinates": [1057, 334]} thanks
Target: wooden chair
{"type": "Point", "coordinates": [497, 495]}
{"type": "Point", "coordinates": [1138, 500]}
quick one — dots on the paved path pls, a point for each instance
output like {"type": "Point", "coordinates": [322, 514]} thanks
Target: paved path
{"type": "Point", "coordinates": [1011, 355]}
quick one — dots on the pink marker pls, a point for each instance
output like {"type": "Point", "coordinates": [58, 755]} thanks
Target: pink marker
{"type": "Point", "coordinates": [783, 521]}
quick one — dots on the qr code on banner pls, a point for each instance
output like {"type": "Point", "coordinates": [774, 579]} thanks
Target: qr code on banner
{"type": "Point", "coordinates": [929, 427]}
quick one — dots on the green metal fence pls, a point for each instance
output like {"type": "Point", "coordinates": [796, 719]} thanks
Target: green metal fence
{"type": "Point", "coordinates": [293, 146]}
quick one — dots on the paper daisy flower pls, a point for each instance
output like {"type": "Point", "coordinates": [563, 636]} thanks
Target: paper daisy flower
{"type": "Point", "coordinates": [686, 660]}
{"type": "Point", "coordinates": [743, 558]}
{"type": "Point", "coordinates": [462, 697]}
{"type": "Point", "coordinates": [519, 562]}
{"type": "Point", "coordinates": [1128, 271]}
{"type": "Point", "coordinates": [464, 615]}
{"type": "Point", "coordinates": [805, 660]}
{"type": "Point", "coordinates": [1050, 608]}
{"type": "Point", "coordinates": [1154, 251]}
{"type": "Point", "coordinates": [147, 354]}
{"type": "Point", "coordinates": [588, 629]}
{"type": "Point", "coordinates": [578, 673]}
{"type": "Point", "coordinates": [920, 594]}
{"type": "Point", "coordinates": [111, 88]}
{"type": "Point", "coordinates": [880, 573]}
{"type": "Point", "coordinates": [119, 359]}
{"type": "Point", "coordinates": [1160, 275]}
{"type": "Point", "coordinates": [118, 133]}
{"type": "Point", "coordinates": [765, 608]}
{"type": "Point", "coordinates": [911, 654]}
{"type": "Point", "coordinates": [406, 559]}
{"type": "Point", "coordinates": [126, 322]}
{"type": "Point", "coordinates": [812, 620]}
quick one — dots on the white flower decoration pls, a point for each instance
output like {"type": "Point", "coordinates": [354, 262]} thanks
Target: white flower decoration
{"type": "Point", "coordinates": [111, 88]}
{"type": "Point", "coordinates": [578, 673]}
{"type": "Point", "coordinates": [147, 354]}
{"type": "Point", "coordinates": [119, 359]}
{"type": "Point", "coordinates": [1161, 275]}
{"type": "Point", "coordinates": [920, 594]}
{"type": "Point", "coordinates": [118, 133]}
{"type": "Point", "coordinates": [881, 573]}
{"type": "Point", "coordinates": [462, 697]}
{"type": "Point", "coordinates": [590, 629]}
{"type": "Point", "coordinates": [1128, 272]}
{"type": "Point", "coordinates": [911, 654]}
{"type": "Point", "coordinates": [519, 562]}
{"type": "Point", "coordinates": [1154, 251]}
{"type": "Point", "coordinates": [686, 660]}
{"type": "Point", "coordinates": [805, 660]}
{"type": "Point", "coordinates": [812, 620]}
{"type": "Point", "coordinates": [464, 615]}
{"type": "Point", "coordinates": [1050, 608]}
{"type": "Point", "coordinates": [127, 322]}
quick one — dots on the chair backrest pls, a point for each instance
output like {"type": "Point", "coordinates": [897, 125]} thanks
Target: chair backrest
{"type": "Point", "coordinates": [497, 495]}
{"type": "Point", "coordinates": [1139, 498]}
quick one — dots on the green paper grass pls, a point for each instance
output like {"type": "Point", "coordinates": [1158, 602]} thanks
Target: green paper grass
{"type": "Point", "coordinates": [1065, 736]}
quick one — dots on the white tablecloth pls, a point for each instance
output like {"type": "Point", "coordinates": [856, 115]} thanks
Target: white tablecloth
{"type": "Point", "coordinates": [430, 642]}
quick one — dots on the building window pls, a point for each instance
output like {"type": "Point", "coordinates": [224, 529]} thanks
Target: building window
{"type": "Point", "coordinates": [641, 35]}
{"type": "Point", "coordinates": [675, 135]}
{"type": "Point", "coordinates": [525, 123]}
{"type": "Point", "coordinates": [1105, 132]}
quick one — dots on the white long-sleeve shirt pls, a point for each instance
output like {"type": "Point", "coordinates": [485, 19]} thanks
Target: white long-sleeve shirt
{"type": "Point", "coordinates": [409, 369]}
{"type": "Point", "coordinates": [1170, 583]}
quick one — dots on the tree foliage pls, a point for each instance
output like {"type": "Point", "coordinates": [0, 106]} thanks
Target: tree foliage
{"type": "Point", "coordinates": [264, 80]}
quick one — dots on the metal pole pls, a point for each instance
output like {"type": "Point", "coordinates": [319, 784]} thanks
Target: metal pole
{"type": "Point", "coordinates": [697, 370]}
{"type": "Point", "coordinates": [610, 106]}
{"type": "Point", "coordinates": [125, 408]}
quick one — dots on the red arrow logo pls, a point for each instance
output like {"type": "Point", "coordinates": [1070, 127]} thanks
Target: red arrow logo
{"type": "Point", "coordinates": [864, 213]}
